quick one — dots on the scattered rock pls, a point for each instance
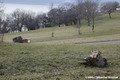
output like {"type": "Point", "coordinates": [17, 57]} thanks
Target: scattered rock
{"type": "Point", "coordinates": [18, 39]}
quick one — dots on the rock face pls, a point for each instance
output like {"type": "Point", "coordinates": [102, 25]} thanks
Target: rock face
{"type": "Point", "coordinates": [18, 39]}
{"type": "Point", "coordinates": [95, 59]}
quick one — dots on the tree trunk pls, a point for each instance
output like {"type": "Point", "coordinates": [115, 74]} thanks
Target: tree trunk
{"type": "Point", "coordinates": [88, 20]}
{"type": "Point", "coordinates": [20, 30]}
{"type": "Point", "coordinates": [59, 24]}
{"type": "Point", "coordinates": [66, 24]}
{"type": "Point", "coordinates": [79, 30]}
{"type": "Point", "coordinates": [79, 21]}
{"type": "Point", "coordinates": [110, 15]}
{"type": "Point", "coordinates": [79, 27]}
{"type": "Point", "coordinates": [2, 37]}
{"type": "Point", "coordinates": [109, 12]}
{"type": "Point", "coordinates": [52, 34]}
{"type": "Point", "coordinates": [75, 22]}
{"type": "Point", "coordinates": [93, 28]}
{"type": "Point", "coordinates": [44, 26]}
{"type": "Point", "coordinates": [71, 23]}
{"type": "Point", "coordinates": [93, 23]}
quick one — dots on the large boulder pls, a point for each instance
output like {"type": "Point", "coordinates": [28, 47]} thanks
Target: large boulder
{"type": "Point", "coordinates": [18, 39]}
{"type": "Point", "coordinates": [95, 59]}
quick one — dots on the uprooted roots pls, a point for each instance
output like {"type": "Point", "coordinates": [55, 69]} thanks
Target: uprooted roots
{"type": "Point", "coordinates": [88, 65]}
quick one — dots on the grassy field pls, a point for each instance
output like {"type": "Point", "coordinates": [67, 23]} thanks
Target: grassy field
{"type": "Point", "coordinates": [58, 58]}
{"type": "Point", "coordinates": [105, 29]}
{"type": "Point", "coordinates": [49, 62]}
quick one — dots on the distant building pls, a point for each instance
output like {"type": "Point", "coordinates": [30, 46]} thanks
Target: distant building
{"type": "Point", "coordinates": [118, 8]}
{"type": "Point", "coordinates": [24, 28]}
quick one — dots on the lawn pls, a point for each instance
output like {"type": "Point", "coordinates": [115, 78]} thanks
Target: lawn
{"type": "Point", "coordinates": [105, 29]}
{"type": "Point", "coordinates": [58, 58]}
{"type": "Point", "coordinates": [49, 62]}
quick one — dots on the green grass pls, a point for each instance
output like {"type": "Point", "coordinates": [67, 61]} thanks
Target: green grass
{"type": "Point", "coordinates": [48, 58]}
{"type": "Point", "coordinates": [68, 35]}
{"type": "Point", "coordinates": [48, 62]}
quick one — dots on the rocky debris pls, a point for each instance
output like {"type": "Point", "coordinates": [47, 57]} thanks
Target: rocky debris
{"type": "Point", "coordinates": [95, 59]}
{"type": "Point", "coordinates": [18, 39]}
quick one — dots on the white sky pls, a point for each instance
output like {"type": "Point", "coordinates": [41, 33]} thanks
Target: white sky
{"type": "Point", "coordinates": [37, 6]}
{"type": "Point", "coordinates": [32, 5]}
{"type": "Point", "coordinates": [9, 8]}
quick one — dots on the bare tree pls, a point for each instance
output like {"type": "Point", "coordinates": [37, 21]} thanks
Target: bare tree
{"type": "Point", "coordinates": [69, 14]}
{"type": "Point", "coordinates": [94, 11]}
{"type": "Point", "coordinates": [2, 22]}
{"type": "Point", "coordinates": [39, 20]}
{"type": "Point", "coordinates": [57, 16]}
{"type": "Point", "coordinates": [80, 13]}
{"type": "Point", "coordinates": [91, 9]}
{"type": "Point", "coordinates": [60, 12]}
{"type": "Point", "coordinates": [109, 7]}
{"type": "Point", "coordinates": [11, 24]}
{"type": "Point", "coordinates": [29, 21]}
{"type": "Point", "coordinates": [3, 29]}
{"type": "Point", "coordinates": [19, 17]}
{"type": "Point", "coordinates": [87, 6]}
{"type": "Point", "coordinates": [24, 19]}
{"type": "Point", "coordinates": [52, 17]}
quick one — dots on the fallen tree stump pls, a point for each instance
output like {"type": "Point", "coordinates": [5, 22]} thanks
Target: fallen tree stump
{"type": "Point", "coordinates": [95, 59]}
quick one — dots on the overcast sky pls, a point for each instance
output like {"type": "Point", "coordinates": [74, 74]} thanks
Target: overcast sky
{"type": "Point", "coordinates": [37, 2]}
{"type": "Point", "coordinates": [34, 5]}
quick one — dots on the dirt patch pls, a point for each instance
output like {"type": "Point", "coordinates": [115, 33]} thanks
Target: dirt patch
{"type": "Point", "coordinates": [101, 42]}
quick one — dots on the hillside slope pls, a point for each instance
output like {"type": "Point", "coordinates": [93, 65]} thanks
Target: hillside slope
{"type": "Point", "coordinates": [61, 62]}
{"type": "Point", "coordinates": [105, 29]}
{"type": "Point", "coordinates": [49, 62]}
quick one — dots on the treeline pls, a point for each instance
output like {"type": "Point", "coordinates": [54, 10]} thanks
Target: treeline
{"type": "Point", "coordinates": [67, 14]}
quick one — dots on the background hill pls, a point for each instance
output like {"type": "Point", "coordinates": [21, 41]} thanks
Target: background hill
{"type": "Point", "coordinates": [105, 29]}
{"type": "Point", "coordinates": [58, 57]}
{"type": "Point", "coordinates": [54, 58]}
